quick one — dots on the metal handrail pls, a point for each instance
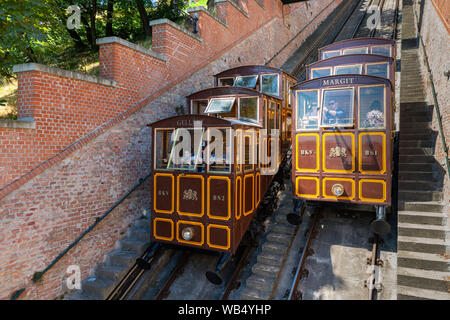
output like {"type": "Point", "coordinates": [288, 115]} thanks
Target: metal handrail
{"type": "Point", "coordinates": [38, 275]}
{"type": "Point", "coordinates": [436, 104]}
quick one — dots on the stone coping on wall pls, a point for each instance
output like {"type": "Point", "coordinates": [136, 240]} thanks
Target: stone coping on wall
{"type": "Point", "coordinates": [174, 25]}
{"type": "Point", "coordinates": [131, 45]}
{"type": "Point", "coordinates": [63, 73]}
{"type": "Point", "coordinates": [203, 9]}
{"type": "Point", "coordinates": [28, 123]}
{"type": "Point", "coordinates": [234, 4]}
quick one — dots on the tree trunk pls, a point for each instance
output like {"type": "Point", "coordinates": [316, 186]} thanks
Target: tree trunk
{"type": "Point", "coordinates": [144, 17]}
{"type": "Point", "coordinates": [109, 18]}
{"type": "Point", "coordinates": [93, 13]}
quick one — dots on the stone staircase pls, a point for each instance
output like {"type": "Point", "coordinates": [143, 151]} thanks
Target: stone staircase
{"type": "Point", "coordinates": [261, 284]}
{"type": "Point", "coordinates": [116, 263]}
{"type": "Point", "coordinates": [423, 262]}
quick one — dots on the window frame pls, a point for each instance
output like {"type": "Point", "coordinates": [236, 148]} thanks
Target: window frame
{"type": "Point", "coordinates": [257, 109]}
{"type": "Point", "coordinates": [199, 148]}
{"type": "Point", "coordinates": [321, 68]}
{"type": "Point", "coordinates": [297, 109]}
{"type": "Point", "coordinates": [380, 46]}
{"type": "Point", "coordinates": [325, 52]}
{"type": "Point", "coordinates": [278, 83]}
{"type": "Point", "coordinates": [224, 78]}
{"type": "Point", "coordinates": [355, 48]}
{"type": "Point", "coordinates": [384, 107]}
{"type": "Point", "coordinates": [377, 63]}
{"type": "Point", "coordinates": [221, 98]}
{"type": "Point", "coordinates": [360, 65]}
{"type": "Point", "coordinates": [154, 148]}
{"type": "Point", "coordinates": [247, 76]}
{"type": "Point", "coordinates": [322, 94]}
{"type": "Point", "coordinates": [227, 134]}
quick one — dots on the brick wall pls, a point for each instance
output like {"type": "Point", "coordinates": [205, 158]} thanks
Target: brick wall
{"type": "Point", "coordinates": [111, 143]}
{"type": "Point", "coordinates": [437, 39]}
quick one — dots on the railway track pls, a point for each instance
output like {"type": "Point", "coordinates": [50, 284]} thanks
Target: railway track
{"type": "Point", "coordinates": [270, 260]}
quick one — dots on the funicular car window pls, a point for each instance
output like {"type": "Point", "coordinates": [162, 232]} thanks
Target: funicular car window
{"type": "Point", "coordinates": [187, 149]}
{"type": "Point", "coordinates": [249, 150]}
{"type": "Point", "coordinates": [353, 69]}
{"type": "Point", "coordinates": [379, 70]}
{"type": "Point", "coordinates": [226, 82]}
{"type": "Point", "coordinates": [220, 105]}
{"type": "Point", "coordinates": [199, 106]}
{"type": "Point", "coordinates": [307, 110]}
{"type": "Point", "coordinates": [371, 107]}
{"type": "Point", "coordinates": [361, 50]}
{"type": "Point", "coordinates": [248, 109]}
{"type": "Point", "coordinates": [163, 146]}
{"type": "Point", "coordinates": [218, 150]}
{"type": "Point", "coordinates": [246, 81]}
{"type": "Point", "coordinates": [382, 50]}
{"type": "Point", "coordinates": [330, 54]}
{"type": "Point", "coordinates": [320, 72]}
{"type": "Point", "coordinates": [270, 84]}
{"type": "Point", "coordinates": [337, 108]}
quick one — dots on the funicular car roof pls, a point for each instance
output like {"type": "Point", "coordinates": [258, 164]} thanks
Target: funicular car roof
{"type": "Point", "coordinates": [361, 80]}
{"type": "Point", "coordinates": [250, 70]}
{"type": "Point", "coordinates": [187, 121]}
{"type": "Point", "coordinates": [356, 42]}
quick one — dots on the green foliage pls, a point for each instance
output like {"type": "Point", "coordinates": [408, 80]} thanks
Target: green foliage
{"type": "Point", "coordinates": [35, 30]}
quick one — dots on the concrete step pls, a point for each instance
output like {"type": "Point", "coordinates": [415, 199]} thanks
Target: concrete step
{"type": "Point", "coordinates": [426, 143]}
{"type": "Point", "coordinates": [254, 294]}
{"type": "Point", "coordinates": [416, 151]}
{"type": "Point", "coordinates": [423, 127]}
{"type": "Point", "coordinates": [422, 261]}
{"type": "Point", "coordinates": [266, 270]}
{"type": "Point", "coordinates": [414, 106]}
{"type": "Point", "coordinates": [122, 258]}
{"type": "Point", "coordinates": [420, 167]}
{"type": "Point", "coordinates": [283, 228]}
{"type": "Point", "coordinates": [409, 293]}
{"type": "Point", "coordinates": [420, 195]}
{"type": "Point", "coordinates": [140, 234]}
{"type": "Point", "coordinates": [279, 238]}
{"type": "Point", "coordinates": [432, 218]}
{"type": "Point", "coordinates": [274, 247]}
{"type": "Point", "coordinates": [269, 257]}
{"type": "Point", "coordinates": [416, 158]}
{"type": "Point", "coordinates": [136, 245]}
{"type": "Point", "coordinates": [259, 282]}
{"type": "Point", "coordinates": [414, 175]}
{"type": "Point", "coordinates": [111, 272]}
{"type": "Point", "coordinates": [416, 185]}
{"type": "Point", "coordinates": [422, 230]}
{"type": "Point", "coordinates": [142, 223]}
{"type": "Point", "coordinates": [428, 206]}
{"type": "Point", "coordinates": [424, 245]}
{"type": "Point", "coordinates": [415, 136]}
{"type": "Point", "coordinates": [99, 287]}
{"type": "Point", "coordinates": [424, 279]}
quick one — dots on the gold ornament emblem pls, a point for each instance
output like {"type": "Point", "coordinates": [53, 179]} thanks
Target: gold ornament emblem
{"type": "Point", "coordinates": [338, 152]}
{"type": "Point", "coordinates": [190, 195]}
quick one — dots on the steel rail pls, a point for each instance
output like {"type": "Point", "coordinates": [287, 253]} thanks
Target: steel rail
{"type": "Point", "coordinates": [231, 282]}
{"type": "Point", "coordinates": [141, 265]}
{"type": "Point", "coordinates": [299, 68]}
{"type": "Point", "coordinates": [361, 21]}
{"type": "Point", "coordinates": [173, 275]}
{"type": "Point", "coordinates": [380, 6]}
{"type": "Point", "coordinates": [373, 263]}
{"type": "Point", "coordinates": [293, 294]}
